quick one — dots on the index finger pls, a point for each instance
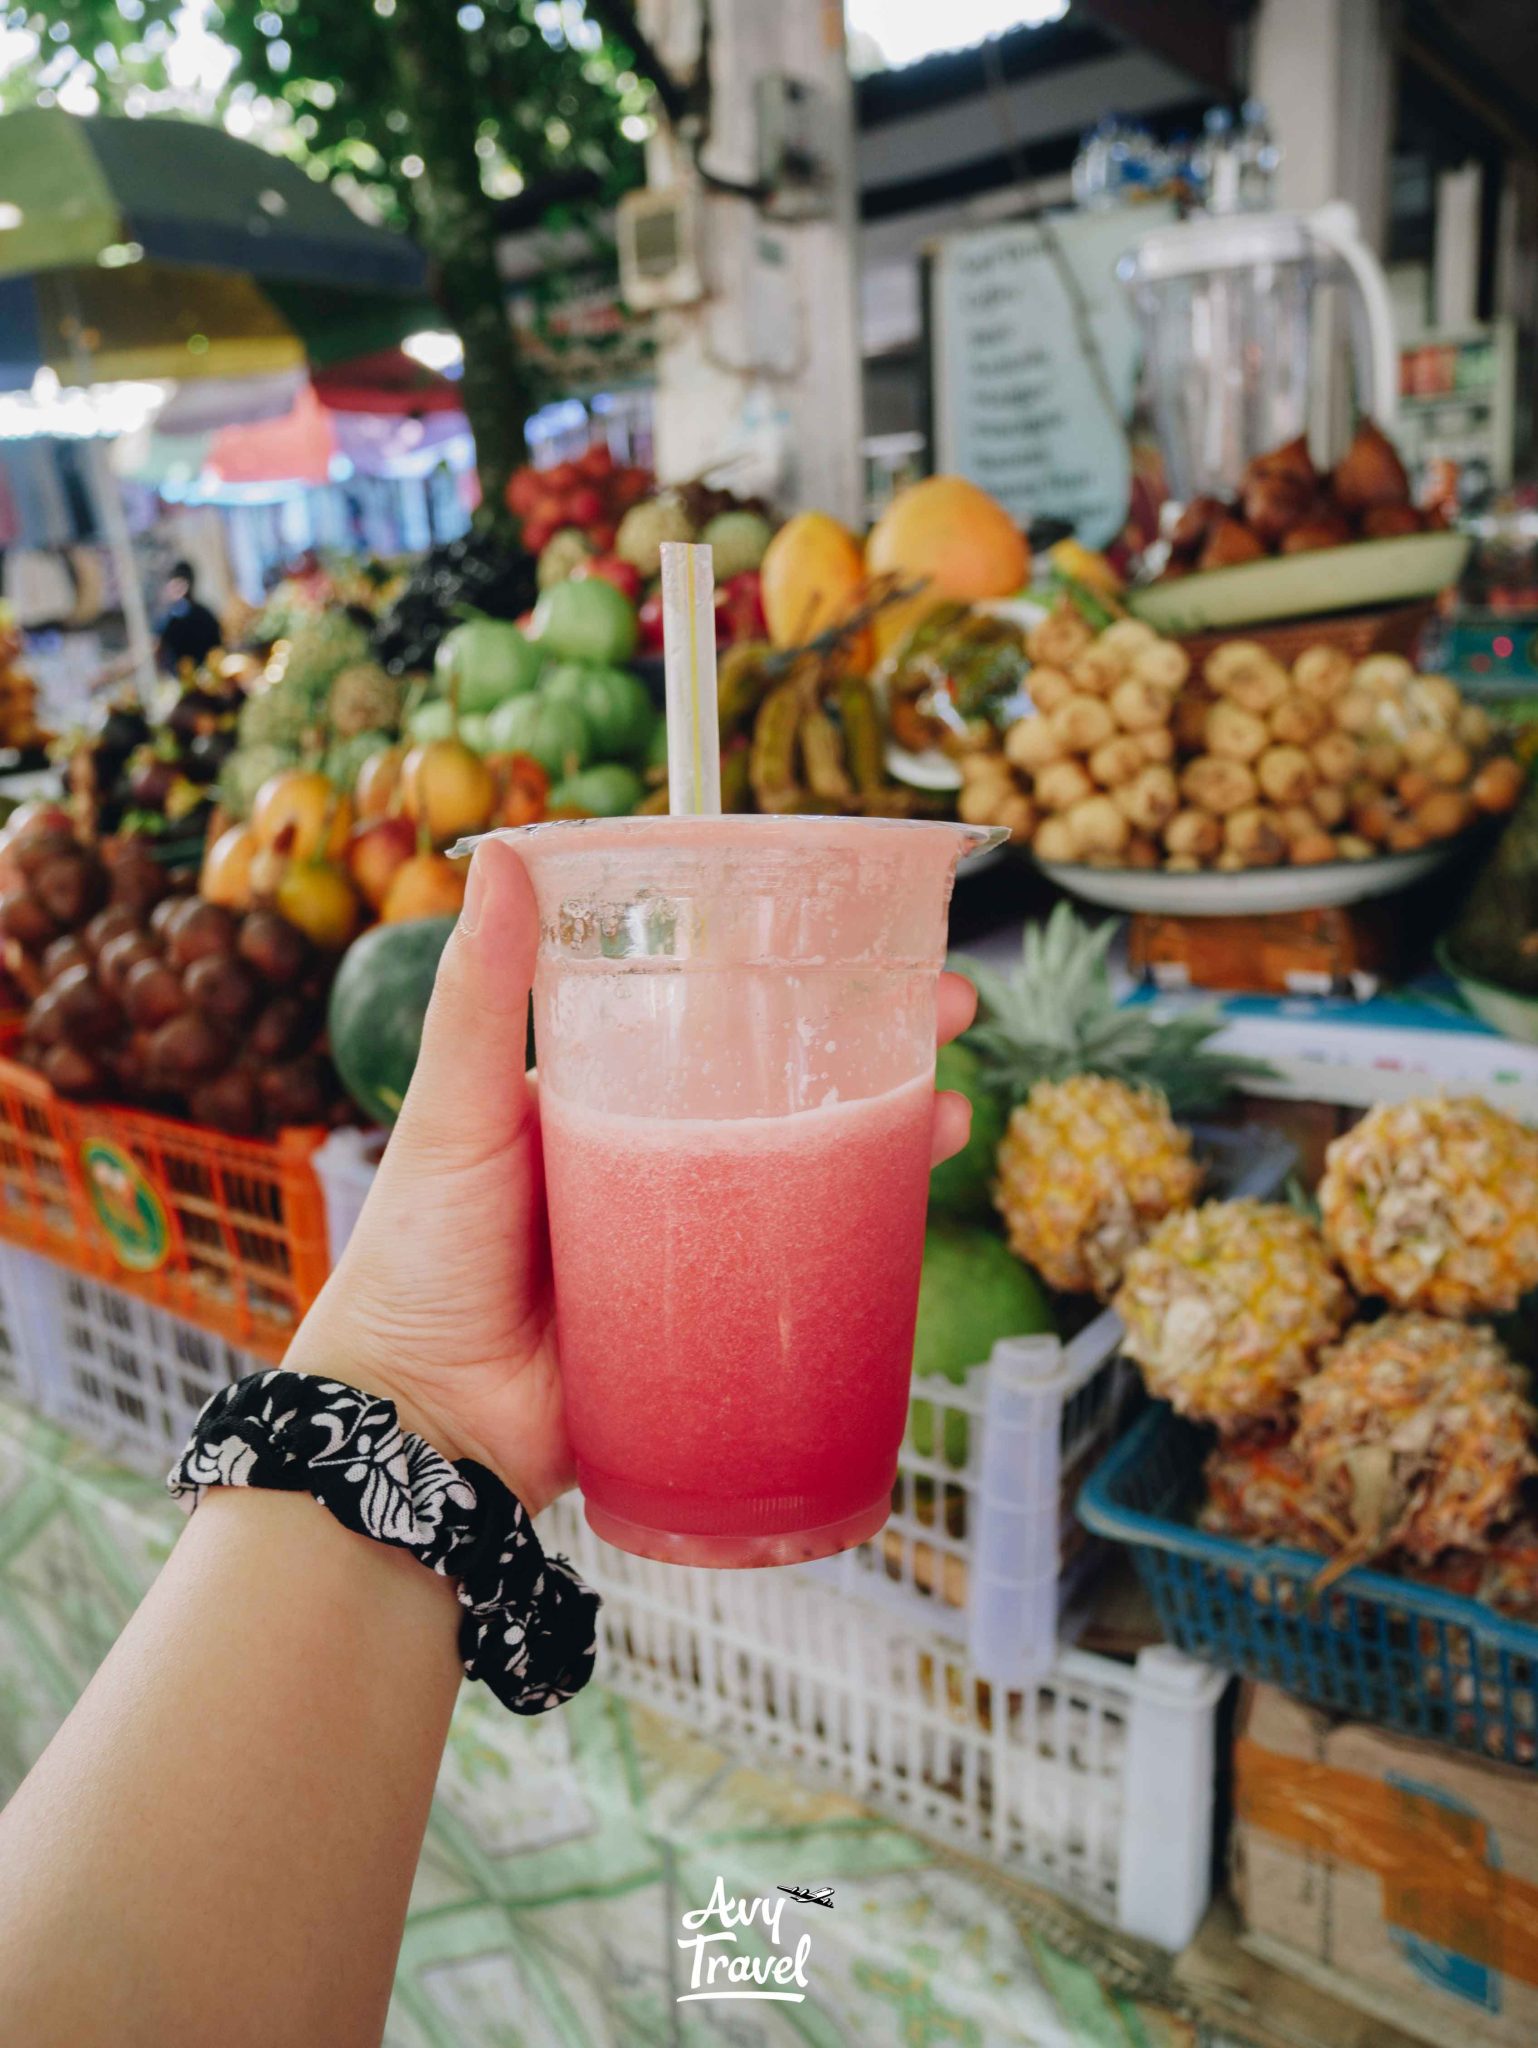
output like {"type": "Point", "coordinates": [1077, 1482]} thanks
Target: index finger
{"type": "Point", "coordinates": [955, 1007]}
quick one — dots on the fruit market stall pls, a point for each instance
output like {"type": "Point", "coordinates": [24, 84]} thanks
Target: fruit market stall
{"type": "Point", "coordinates": [223, 938]}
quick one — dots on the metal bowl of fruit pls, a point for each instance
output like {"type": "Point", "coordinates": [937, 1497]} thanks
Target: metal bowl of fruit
{"type": "Point", "coordinates": [1246, 892]}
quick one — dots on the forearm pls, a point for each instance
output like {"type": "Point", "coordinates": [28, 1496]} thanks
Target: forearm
{"type": "Point", "coordinates": [218, 1846]}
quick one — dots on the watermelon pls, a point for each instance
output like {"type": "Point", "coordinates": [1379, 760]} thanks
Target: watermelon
{"type": "Point", "coordinates": [378, 1001]}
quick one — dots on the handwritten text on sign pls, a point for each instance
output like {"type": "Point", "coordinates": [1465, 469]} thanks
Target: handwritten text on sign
{"type": "Point", "coordinates": [1018, 407]}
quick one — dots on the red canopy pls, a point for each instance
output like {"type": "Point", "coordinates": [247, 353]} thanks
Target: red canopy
{"type": "Point", "coordinates": [387, 382]}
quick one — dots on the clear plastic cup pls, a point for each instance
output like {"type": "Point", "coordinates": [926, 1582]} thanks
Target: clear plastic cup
{"type": "Point", "coordinates": [735, 1025]}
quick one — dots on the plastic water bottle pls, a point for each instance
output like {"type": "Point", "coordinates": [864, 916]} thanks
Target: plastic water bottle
{"type": "Point", "coordinates": [1258, 158]}
{"type": "Point", "coordinates": [1219, 162]}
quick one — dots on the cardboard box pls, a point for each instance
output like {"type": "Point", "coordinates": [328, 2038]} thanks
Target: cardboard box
{"type": "Point", "coordinates": [1400, 1876]}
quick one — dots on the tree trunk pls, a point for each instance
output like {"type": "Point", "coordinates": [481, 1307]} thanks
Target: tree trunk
{"type": "Point", "coordinates": [457, 225]}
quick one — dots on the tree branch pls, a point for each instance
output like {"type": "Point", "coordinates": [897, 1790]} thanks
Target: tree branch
{"type": "Point", "coordinates": [617, 19]}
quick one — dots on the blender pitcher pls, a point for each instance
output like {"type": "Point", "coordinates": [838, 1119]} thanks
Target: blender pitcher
{"type": "Point", "coordinates": [1227, 304]}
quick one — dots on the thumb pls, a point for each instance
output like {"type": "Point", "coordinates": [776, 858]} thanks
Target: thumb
{"type": "Point", "coordinates": [468, 1097]}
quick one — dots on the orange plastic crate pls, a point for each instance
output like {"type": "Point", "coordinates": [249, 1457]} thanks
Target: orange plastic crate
{"type": "Point", "coordinates": [228, 1233]}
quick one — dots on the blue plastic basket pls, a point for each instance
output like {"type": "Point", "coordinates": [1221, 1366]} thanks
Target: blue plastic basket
{"type": "Point", "coordinates": [1376, 1648]}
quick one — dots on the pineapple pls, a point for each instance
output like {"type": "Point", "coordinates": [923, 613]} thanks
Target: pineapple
{"type": "Point", "coordinates": [1227, 1309]}
{"type": "Point", "coordinates": [1505, 1576]}
{"type": "Point", "coordinates": [1433, 1204]}
{"type": "Point", "coordinates": [1257, 1490]}
{"type": "Point", "coordinates": [1415, 1433]}
{"type": "Point", "coordinates": [1092, 1157]}
{"type": "Point", "coordinates": [1088, 1166]}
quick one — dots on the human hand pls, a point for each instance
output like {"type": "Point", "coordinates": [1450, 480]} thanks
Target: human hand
{"type": "Point", "coordinates": [442, 1301]}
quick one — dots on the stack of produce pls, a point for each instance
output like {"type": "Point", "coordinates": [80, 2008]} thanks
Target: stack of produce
{"type": "Point", "coordinates": [594, 517]}
{"type": "Point", "coordinates": [19, 728]}
{"type": "Point", "coordinates": [557, 695]}
{"type": "Point", "coordinates": [155, 778]}
{"type": "Point", "coordinates": [1285, 506]}
{"type": "Point", "coordinates": [168, 1002]}
{"type": "Point", "coordinates": [1404, 1436]}
{"type": "Point", "coordinates": [1128, 759]}
{"type": "Point", "coordinates": [478, 572]}
{"type": "Point", "coordinates": [576, 507]}
{"type": "Point", "coordinates": [321, 693]}
{"type": "Point", "coordinates": [329, 860]}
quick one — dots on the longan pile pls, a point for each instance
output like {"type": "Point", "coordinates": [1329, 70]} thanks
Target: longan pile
{"type": "Point", "coordinates": [1129, 760]}
{"type": "Point", "coordinates": [1096, 760]}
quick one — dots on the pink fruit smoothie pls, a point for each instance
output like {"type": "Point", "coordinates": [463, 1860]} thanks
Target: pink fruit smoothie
{"type": "Point", "coordinates": [736, 1302]}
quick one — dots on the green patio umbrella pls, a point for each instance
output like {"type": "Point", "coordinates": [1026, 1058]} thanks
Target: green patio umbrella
{"type": "Point", "coordinates": [160, 249]}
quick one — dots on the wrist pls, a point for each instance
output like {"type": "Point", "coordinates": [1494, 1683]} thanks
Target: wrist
{"type": "Point", "coordinates": [311, 1354]}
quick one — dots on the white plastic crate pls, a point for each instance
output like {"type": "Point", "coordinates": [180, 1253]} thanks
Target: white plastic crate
{"type": "Point", "coordinates": [983, 1546]}
{"type": "Point", "coordinates": [345, 1166]}
{"type": "Point", "coordinates": [22, 1369]}
{"type": "Point", "coordinates": [1097, 1780]}
{"type": "Point", "coordinates": [128, 1378]}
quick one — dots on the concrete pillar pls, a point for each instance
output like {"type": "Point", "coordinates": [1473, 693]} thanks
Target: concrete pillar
{"type": "Point", "coordinates": [1455, 250]}
{"type": "Point", "coordinates": [1325, 69]}
{"type": "Point", "coordinates": [767, 366]}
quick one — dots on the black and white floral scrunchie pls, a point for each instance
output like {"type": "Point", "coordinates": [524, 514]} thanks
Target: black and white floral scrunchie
{"type": "Point", "coordinates": [530, 1626]}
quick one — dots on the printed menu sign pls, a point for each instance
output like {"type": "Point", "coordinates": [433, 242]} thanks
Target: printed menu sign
{"type": "Point", "coordinates": [1019, 405]}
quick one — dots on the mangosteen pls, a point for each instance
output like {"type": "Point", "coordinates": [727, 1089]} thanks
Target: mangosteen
{"type": "Point", "coordinates": [29, 854]}
{"type": "Point", "coordinates": [120, 954]}
{"type": "Point", "coordinates": [45, 1020]}
{"type": "Point", "coordinates": [295, 1093]}
{"type": "Point", "coordinates": [286, 1026]}
{"type": "Point", "coordinates": [186, 1050]}
{"type": "Point", "coordinates": [24, 919]}
{"type": "Point", "coordinates": [71, 887]}
{"type": "Point", "coordinates": [73, 1072]}
{"type": "Point", "coordinates": [136, 878]}
{"type": "Point", "coordinates": [166, 913]}
{"type": "Point", "coordinates": [202, 931]}
{"type": "Point", "coordinates": [152, 993]}
{"type": "Point", "coordinates": [109, 924]}
{"type": "Point", "coordinates": [231, 1102]}
{"type": "Point", "coordinates": [90, 1017]}
{"type": "Point", "coordinates": [222, 987]}
{"type": "Point", "coordinates": [63, 954]}
{"type": "Point", "coordinates": [278, 950]}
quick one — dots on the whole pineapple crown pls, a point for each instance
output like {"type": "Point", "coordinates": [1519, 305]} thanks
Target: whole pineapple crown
{"type": "Point", "coordinates": [1057, 1015]}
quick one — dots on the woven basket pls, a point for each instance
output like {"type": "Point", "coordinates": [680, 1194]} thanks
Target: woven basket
{"type": "Point", "coordinates": [1395, 629]}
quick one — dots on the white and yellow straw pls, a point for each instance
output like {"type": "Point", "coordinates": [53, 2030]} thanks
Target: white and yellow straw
{"type": "Point", "coordinates": [689, 659]}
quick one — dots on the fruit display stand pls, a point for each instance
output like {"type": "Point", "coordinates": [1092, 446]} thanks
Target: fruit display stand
{"type": "Point", "coordinates": [122, 1374]}
{"type": "Point", "coordinates": [228, 1232]}
{"type": "Point", "coordinates": [1408, 1657]}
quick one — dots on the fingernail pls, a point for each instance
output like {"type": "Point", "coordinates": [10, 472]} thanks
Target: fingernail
{"type": "Point", "coordinates": [476, 890]}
